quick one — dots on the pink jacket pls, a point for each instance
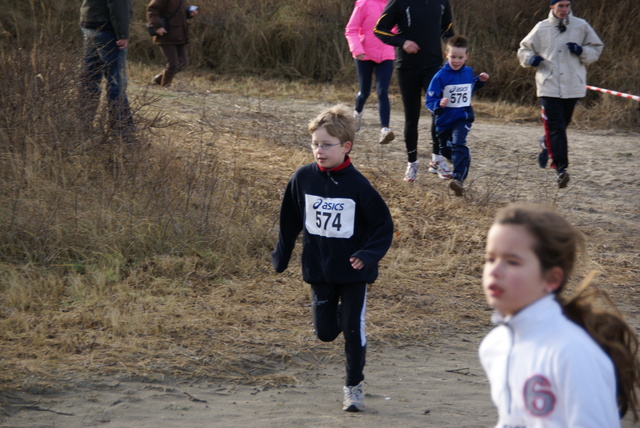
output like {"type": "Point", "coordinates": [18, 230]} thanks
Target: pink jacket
{"type": "Point", "coordinates": [359, 32]}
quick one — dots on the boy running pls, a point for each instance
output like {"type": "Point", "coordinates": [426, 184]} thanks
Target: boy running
{"type": "Point", "coordinates": [347, 229]}
{"type": "Point", "coordinates": [449, 99]}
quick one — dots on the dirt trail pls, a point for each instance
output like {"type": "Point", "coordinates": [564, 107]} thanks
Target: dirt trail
{"type": "Point", "coordinates": [409, 386]}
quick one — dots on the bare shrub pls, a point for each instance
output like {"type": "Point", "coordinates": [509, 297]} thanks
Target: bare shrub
{"type": "Point", "coordinates": [72, 195]}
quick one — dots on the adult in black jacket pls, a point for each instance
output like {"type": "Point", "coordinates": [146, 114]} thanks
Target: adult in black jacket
{"type": "Point", "coordinates": [421, 25]}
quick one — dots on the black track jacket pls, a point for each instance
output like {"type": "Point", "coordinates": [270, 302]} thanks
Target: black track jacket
{"type": "Point", "coordinates": [425, 22]}
{"type": "Point", "coordinates": [341, 216]}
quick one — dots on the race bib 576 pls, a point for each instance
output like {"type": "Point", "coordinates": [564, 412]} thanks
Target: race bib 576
{"type": "Point", "coordinates": [459, 95]}
{"type": "Point", "coordinates": [329, 217]}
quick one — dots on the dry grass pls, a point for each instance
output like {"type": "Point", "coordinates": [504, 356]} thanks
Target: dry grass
{"type": "Point", "coordinates": [305, 40]}
{"type": "Point", "coordinates": [156, 263]}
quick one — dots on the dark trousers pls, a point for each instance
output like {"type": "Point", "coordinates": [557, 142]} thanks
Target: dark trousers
{"type": "Point", "coordinates": [456, 139]}
{"type": "Point", "coordinates": [176, 58]}
{"type": "Point", "coordinates": [383, 71]}
{"type": "Point", "coordinates": [104, 59]}
{"type": "Point", "coordinates": [413, 83]}
{"type": "Point", "coordinates": [556, 116]}
{"type": "Point", "coordinates": [341, 308]}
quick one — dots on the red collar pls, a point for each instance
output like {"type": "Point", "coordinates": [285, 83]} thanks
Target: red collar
{"type": "Point", "coordinates": [343, 165]}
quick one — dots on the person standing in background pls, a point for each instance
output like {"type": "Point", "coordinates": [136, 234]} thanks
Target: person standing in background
{"type": "Point", "coordinates": [105, 27]}
{"type": "Point", "coordinates": [559, 48]}
{"type": "Point", "coordinates": [169, 19]}
{"type": "Point", "coordinates": [371, 55]}
{"type": "Point", "coordinates": [421, 26]}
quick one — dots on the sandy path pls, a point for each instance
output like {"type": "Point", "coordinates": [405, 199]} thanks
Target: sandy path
{"type": "Point", "coordinates": [408, 386]}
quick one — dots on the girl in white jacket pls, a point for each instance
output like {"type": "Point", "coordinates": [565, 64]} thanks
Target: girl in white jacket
{"type": "Point", "coordinates": [551, 361]}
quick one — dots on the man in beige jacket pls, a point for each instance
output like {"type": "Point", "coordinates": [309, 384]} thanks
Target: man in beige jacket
{"type": "Point", "coordinates": [559, 48]}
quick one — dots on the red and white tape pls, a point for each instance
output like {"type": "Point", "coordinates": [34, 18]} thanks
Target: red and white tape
{"type": "Point", "coordinates": [619, 94]}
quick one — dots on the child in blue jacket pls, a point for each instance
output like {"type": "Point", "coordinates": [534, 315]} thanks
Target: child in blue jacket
{"type": "Point", "coordinates": [449, 99]}
{"type": "Point", "coordinates": [346, 230]}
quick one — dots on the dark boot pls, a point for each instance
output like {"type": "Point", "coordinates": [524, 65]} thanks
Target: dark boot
{"type": "Point", "coordinates": [157, 79]}
{"type": "Point", "coordinates": [121, 121]}
{"type": "Point", "coordinates": [167, 78]}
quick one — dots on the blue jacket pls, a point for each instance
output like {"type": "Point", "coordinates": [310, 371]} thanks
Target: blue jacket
{"type": "Point", "coordinates": [341, 216]}
{"type": "Point", "coordinates": [458, 86]}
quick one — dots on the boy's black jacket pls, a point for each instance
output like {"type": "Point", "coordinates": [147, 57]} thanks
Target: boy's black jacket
{"type": "Point", "coordinates": [326, 259]}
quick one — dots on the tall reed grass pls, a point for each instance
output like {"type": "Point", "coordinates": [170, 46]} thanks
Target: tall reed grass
{"type": "Point", "coordinates": [304, 39]}
{"type": "Point", "coordinates": [71, 195]}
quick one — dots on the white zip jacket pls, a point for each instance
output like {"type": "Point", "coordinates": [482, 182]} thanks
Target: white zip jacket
{"type": "Point", "coordinates": [546, 371]}
{"type": "Point", "coordinates": [561, 74]}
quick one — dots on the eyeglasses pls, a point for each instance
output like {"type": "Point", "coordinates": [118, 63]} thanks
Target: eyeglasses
{"type": "Point", "coordinates": [316, 146]}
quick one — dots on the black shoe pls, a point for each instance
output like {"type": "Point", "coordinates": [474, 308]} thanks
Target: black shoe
{"type": "Point", "coordinates": [563, 179]}
{"type": "Point", "coordinates": [457, 187]}
{"type": "Point", "coordinates": [543, 156]}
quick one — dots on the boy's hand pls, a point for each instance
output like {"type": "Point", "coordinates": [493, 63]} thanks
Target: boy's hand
{"type": "Point", "coordinates": [356, 263]}
{"type": "Point", "coordinates": [444, 102]}
{"type": "Point", "coordinates": [483, 77]}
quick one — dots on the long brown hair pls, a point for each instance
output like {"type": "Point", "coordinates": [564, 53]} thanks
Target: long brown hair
{"type": "Point", "coordinates": [557, 244]}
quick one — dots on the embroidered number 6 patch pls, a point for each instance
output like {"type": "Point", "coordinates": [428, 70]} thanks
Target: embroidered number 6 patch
{"type": "Point", "coordinates": [538, 397]}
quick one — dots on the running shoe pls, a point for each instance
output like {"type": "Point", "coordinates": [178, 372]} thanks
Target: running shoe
{"type": "Point", "coordinates": [563, 179]}
{"type": "Point", "coordinates": [386, 136]}
{"type": "Point", "coordinates": [543, 156]}
{"type": "Point", "coordinates": [412, 172]}
{"type": "Point", "coordinates": [353, 400]}
{"type": "Point", "coordinates": [358, 117]}
{"type": "Point", "coordinates": [441, 168]}
{"type": "Point", "coordinates": [457, 187]}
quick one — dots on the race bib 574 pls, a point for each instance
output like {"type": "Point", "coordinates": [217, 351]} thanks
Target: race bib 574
{"type": "Point", "coordinates": [329, 217]}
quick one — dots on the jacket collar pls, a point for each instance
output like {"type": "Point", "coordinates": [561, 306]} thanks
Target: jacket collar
{"type": "Point", "coordinates": [448, 68]}
{"type": "Point", "coordinates": [530, 317]}
{"type": "Point", "coordinates": [555, 21]}
{"type": "Point", "coordinates": [343, 165]}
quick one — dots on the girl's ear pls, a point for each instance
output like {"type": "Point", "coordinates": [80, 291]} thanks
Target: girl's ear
{"type": "Point", "coordinates": [553, 278]}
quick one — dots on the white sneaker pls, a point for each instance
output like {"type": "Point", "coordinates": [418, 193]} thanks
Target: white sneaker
{"type": "Point", "coordinates": [412, 172]}
{"type": "Point", "coordinates": [353, 400]}
{"type": "Point", "coordinates": [386, 136]}
{"type": "Point", "coordinates": [358, 117]}
{"type": "Point", "coordinates": [441, 168]}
